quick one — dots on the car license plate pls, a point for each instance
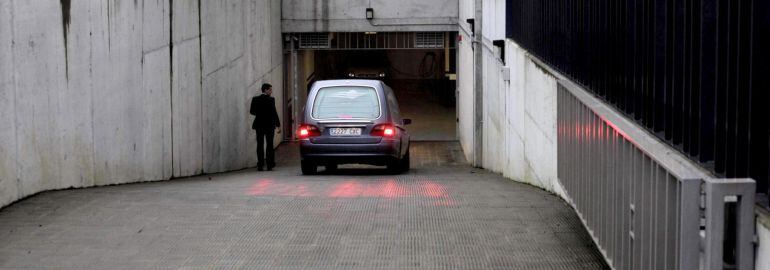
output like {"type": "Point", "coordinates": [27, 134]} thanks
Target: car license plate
{"type": "Point", "coordinates": [345, 131]}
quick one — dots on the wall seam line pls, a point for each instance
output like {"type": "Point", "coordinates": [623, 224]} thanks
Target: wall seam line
{"type": "Point", "coordinates": [91, 83]}
{"type": "Point", "coordinates": [171, 77]}
{"type": "Point", "coordinates": [15, 103]}
{"type": "Point", "coordinates": [200, 66]}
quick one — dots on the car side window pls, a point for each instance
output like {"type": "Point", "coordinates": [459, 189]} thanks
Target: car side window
{"type": "Point", "coordinates": [393, 104]}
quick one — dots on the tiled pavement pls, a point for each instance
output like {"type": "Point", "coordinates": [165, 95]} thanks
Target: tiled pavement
{"type": "Point", "coordinates": [443, 214]}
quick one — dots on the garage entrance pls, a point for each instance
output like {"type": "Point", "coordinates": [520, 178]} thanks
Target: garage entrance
{"type": "Point", "coordinates": [420, 67]}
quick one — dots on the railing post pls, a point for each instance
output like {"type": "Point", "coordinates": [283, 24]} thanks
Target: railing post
{"type": "Point", "coordinates": [689, 224]}
{"type": "Point", "coordinates": [716, 192]}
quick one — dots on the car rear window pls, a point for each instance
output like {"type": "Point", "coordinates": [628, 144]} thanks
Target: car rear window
{"type": "Point", "coordinates": [346, 102]}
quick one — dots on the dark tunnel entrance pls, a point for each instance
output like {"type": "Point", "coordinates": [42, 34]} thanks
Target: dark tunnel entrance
{"type": "Point", "coordinates": [422, 76]}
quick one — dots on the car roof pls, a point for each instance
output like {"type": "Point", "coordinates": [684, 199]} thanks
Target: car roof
{"type": "Point", "coordinates": [376, 84]}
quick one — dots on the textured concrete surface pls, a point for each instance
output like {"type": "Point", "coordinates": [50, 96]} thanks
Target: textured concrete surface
{"type": "Point", "coordinates": [443, 214]}
{"type": "Point", "coordinates": [350, 15]}
{"type": "Point", "coordinates": [100, 92]}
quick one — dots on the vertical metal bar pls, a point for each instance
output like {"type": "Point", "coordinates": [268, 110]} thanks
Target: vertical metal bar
{"type": "Point", "coordinates": [294, 88]}
{"type": "Point", "coordinates": [646, 213]}
{"type": "Point", "coordinates": [707, 78]}
{"type": "Point", "coordinates": [671, 221]}
{"type": "Point", "coordinates": [715, 222]}
{"type": "Point", "coordinates": [579, 147]}
{"type": "Point", "coordinates": [640, 175]}
{"type": "Point", "coordinates": [595, 189]}
{"type": "Point", "coordinates": [615, 199]}
{"type": "Point", "coordinates": [628, 192]}
{"type": "Point", "coordinates": [743, 134]}
{"type": "Point", "coordinates": [599, 184]}
{"type": "Point", "coordinates": [659, 231]}
{"type": "Point", "coordinates": [665, 212]}
{"type": "Point", "coordinates": [654, 220]}
{"type": "Point", "coordinates": [688, 240]}
{"type": "Point", "coordinates": [610, 200]}
{"type": "Point", "coordinates": [745, 223]}
{"type": "Point", "coordinates": [721, 86]}
{"type": "Point", "coordinates": [582, 146]}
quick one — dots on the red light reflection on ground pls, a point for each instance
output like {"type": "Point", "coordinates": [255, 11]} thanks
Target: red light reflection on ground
{"type": "Point", "coordinates": [261, 187]}
{"type": "Point", "coordinates": [347, 189]}
{"type": "Point", "coordinates": [388, 188]}
{"type": "Point", "coordinates": [433, 190]}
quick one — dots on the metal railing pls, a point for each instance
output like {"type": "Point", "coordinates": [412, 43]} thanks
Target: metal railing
{"type": "Point", "coordinates": [692, 72]}
{"type": "Point", "coordinates": [641, 199]}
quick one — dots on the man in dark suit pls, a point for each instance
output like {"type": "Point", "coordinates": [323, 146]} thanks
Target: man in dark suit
{"type": "Point", "coordinates": [265, 122]}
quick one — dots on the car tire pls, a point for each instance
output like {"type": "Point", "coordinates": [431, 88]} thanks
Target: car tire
{"type": "Point", "coordinates": [405, 163]}
{"type": "Point", "coordinates": [394, 166]}
{"type": "Point", "coordinates": [308, 168]}
{"type": "Point", "coordinates": [331, 167]}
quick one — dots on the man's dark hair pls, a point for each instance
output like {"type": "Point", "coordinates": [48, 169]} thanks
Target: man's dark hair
{"type": "Point", "coordinates": [266, 86]}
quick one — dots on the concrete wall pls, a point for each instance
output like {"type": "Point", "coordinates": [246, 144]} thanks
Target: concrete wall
{"type": "Point", "coordinates": [465, 79]}
{"type": "Point", "coordinates": [94, 93]}
{"type": "Point", "coordinates": [763, 234]}
{"type": "Point", "coordinates": [519, 110]}
{"type": "Point", "coordinates": [519, 128]}
{"type": "Point", "coordinates": [520, 120]}
{"type": "Point", "coordinates": [350, 15]}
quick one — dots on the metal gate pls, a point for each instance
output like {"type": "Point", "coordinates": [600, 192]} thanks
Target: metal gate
{"type": "Point", "coordinates": [374, 40]}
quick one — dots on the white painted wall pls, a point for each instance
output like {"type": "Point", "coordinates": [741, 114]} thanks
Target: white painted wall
{"type": "Point", "coordinates": [350, 15]}
{"type": "Point", "coordinates": [118, 104]}
{"type": "Point", "coordinates": [519, 129]}
{"type": "Point", "coordinates": [465, 78]}
{"type": "Point", "coordinates": [520, 119]}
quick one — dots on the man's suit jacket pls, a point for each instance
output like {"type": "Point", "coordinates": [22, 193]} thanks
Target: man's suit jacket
{"type": "Point", "coordinates": [266, 117]}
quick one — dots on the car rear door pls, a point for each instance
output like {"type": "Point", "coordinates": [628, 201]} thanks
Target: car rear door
{"type": "Point", "coordinates": [346, 114]}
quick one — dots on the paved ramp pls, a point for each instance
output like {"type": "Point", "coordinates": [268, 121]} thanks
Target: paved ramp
{"type": "Point", "coordinates": [441, 215]}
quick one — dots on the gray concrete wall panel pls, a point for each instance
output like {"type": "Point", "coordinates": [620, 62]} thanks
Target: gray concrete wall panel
{"type": "Point", "coordinates": [95, 94]}
{"type": "Point", "coordinates": [8, 169]}
{"type": "Point", "coordinates": [40, 68]}
{"type": "Point", "coordinates": [74, 129]}
{"type": "Point", "coordinates": [350, 15]}
{"type": "Point", "coordinates": [156, 114]}
{"type": "Point", "coordinates": [186, 90]}
{"type": "Point", "coordinates": [120, 122]}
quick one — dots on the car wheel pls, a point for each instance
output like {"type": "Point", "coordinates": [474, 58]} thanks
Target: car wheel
{"type": "Point", "coordinates": [394, 167]}
{"type": "Point", "coordinates": [308, 168]}
{"type": "Point", "coordinates": [331, 167]}
{"type": "Point", "coordinates": [405, 163]}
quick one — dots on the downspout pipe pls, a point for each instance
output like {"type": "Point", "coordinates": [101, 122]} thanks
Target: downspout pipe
{"type": "Point", "coordinates": [478, 93]}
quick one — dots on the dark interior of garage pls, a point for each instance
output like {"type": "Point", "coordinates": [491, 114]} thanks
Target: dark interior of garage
{"type": "Point", "coordinates": [418, 77]}
{"type": "Point", "coordinates": [423, 80]}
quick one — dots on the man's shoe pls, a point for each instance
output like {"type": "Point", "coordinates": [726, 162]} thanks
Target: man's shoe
{"type": "Point", "coordinates": [270, 168]}
{"type": "Point", "coordinates": [259, 169]}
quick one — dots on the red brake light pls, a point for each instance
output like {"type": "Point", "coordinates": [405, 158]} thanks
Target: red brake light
{"type": "Point", "coordinates": [307, 131]}
{"type": "Point", "coordinates": [384, 130]}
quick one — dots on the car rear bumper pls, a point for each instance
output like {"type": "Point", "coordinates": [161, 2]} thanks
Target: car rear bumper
{"type": "Point", "coordinates": [374, 154]}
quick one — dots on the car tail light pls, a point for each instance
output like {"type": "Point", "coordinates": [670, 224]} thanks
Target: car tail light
{"type": "Point", "coordinates": [307, 131]}
{"type": "Point", "coordinates": [384, 130]}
